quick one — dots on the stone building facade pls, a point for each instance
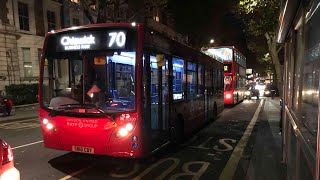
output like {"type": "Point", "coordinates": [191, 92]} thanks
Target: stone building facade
{"type": "Point", "coordinates": [23, 26]}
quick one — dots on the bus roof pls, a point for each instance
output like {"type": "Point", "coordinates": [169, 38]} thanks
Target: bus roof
{"type": "Point", "coordinates": [226, 54]}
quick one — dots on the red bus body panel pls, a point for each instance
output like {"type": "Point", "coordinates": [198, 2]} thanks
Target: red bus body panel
{"type": "Point", "coordinates": [97, 133]}
{"type": "Point", "coordinates": [101, 135]}
{"type": "Point", "coordinates": [235, 94]}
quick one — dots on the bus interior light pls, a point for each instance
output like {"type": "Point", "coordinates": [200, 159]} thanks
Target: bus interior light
{"type": "Point", "coordinates": [114, 104]}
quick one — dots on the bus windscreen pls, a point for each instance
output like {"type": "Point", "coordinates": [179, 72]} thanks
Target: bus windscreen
{"type": "Point", "coordinates": [90, 72]}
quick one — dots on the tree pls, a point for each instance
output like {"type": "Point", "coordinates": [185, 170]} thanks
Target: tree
{"type": "Point", "coordinates": [261, 21]}
{"type": "Point", "coordinates": [137, 9]}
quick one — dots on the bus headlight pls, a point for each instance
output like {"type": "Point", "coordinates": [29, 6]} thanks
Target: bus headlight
{"type": "Point", "coordinates": [124, 131]}
{"type": "Point", "coordinates": [129, 127]}
{"type": "Point", "coordinates": [228, 96]}
{"type": "Point", "coordinates": [45, 121]}
{"type": "Point", "coordinates": [49, 126]}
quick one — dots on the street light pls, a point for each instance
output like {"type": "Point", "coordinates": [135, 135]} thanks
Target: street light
{"type": "Point", "coordinates": [211, 41]}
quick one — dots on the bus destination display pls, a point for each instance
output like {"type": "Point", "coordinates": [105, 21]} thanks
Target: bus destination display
{"type": "Point", "coordinates": [98, 40]}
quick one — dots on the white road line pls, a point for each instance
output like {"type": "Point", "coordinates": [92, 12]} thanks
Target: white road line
{"type": "Point", "coordinates": [7, 122]}
{"type": "Point", "coordinates": [231, 167]}
{"type": "Point", "coordinates": [27, 145]}
{"type": "Point", "coordinates": [76, 173]}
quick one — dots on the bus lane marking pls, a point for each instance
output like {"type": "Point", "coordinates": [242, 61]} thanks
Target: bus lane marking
{"type": "Point", "coordinates": [185, 171]}
{"type": "Point", "coordinates": [231, 166]}
{"type": "Point", "coordinates": [135, 169]}
{"type": "Point", "coordinates": [222, 146]}
{"type": "Point", "coordinates": [158, 163]}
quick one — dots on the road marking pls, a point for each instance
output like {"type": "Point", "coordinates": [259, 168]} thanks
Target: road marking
{"type": "Point", "coordinates": [33, 119]}
{"type": "Point", "coordinates": [27, 145]}
{"type": "Point", "coordinates": [76, 173]}
{"type": "Point", "coordinates": [20, 125]}
{"type": "Point", "coordinates": [230, 168]}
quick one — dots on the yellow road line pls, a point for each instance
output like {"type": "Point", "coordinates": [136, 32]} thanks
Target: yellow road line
{"type": "Point", "coordinates": [76, 173]}
{"type": "Point", "coordinates": [231, 167]}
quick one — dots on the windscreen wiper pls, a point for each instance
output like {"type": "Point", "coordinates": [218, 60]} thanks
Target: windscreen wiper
{"type": "Point", "coordinates": [71, 106]}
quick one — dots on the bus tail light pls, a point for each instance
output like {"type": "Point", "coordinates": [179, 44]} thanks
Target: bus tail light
{"type": "Point", "coordinates": [7, 154]}
{"type": "Point", "coordinates": [228, 96]}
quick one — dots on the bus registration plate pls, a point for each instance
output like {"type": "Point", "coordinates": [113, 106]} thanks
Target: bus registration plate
{"type": "Point", "coordinates": [81, 149]}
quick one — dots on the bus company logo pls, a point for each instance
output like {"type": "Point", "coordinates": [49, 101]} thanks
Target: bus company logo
{"type": "Point", "coordinates": [80, 124]}
{"type": "Point", "coordinates": [77, 43]}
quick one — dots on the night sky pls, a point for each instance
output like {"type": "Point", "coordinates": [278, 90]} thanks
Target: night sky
{"type": "Point", "coordinates": [208, 19]}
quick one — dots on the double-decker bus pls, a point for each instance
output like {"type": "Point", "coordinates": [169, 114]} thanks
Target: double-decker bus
{"type": "Point", "coordinates": [299, 33]}
{"type": "Point", "coordinates": [234, 72]}
{"type": "Point", "coordinates": [124, 90]}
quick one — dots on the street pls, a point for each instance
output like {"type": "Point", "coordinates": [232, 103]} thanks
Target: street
{"type": "Point", "coordinates": [214, 152]}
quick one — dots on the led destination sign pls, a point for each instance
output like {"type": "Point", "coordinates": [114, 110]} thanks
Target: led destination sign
{"type": "Point", "coordinates": [97, 40]}
{"type": "Point", "coordinates": [77, 43]}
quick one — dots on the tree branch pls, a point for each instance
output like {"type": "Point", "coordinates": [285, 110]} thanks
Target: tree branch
{"type": "Point", "coordinates": [86, 11]}
{"type": "Point", "coordinates": [281, 46]}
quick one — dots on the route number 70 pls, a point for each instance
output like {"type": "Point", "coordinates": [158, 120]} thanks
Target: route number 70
{"type": "Point", "coordinates": [117, 38]}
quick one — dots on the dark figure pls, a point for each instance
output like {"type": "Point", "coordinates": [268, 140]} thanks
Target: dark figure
{"type": "Point", "coordinates": [273, 93]}
{"type": "Point", "coordinates": [5, 106]}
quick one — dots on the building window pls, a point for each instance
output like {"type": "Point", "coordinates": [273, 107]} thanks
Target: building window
{"type": "Point", "coordinates": [51, 20]}
{"type": "Point", "coordinates": [75, 22]}
{"type": "Point", "coordinates": [27, 64]}
{"type": "Point", "coordinates": [23, 16]}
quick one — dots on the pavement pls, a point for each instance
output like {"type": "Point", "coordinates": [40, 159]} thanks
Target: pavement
{"type": "Point", "coordinates": [265, 160]}
{"type": "Point", "coordinates": [22, 112]}
{"type": "Point", "coordinates": [263, 163]}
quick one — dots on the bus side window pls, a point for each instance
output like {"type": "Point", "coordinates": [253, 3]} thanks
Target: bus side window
{"type": "Point", "coordinates": [179, 81]}
{"type": "Point", "coordinates": [200, 80]}
{"type": "Point", "coordinates": [214, 80]}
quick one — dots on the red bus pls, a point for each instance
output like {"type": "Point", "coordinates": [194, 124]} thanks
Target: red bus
{"type": "Point", "coordinates": [123, 90]}
{"type": "Point", "coordinates": [234, 72]}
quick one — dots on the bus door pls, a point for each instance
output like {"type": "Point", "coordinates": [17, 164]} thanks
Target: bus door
{"type": "Point", "coordinates": [206, 93]}
{"type": "Point", "coordinates": [159, 100]}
